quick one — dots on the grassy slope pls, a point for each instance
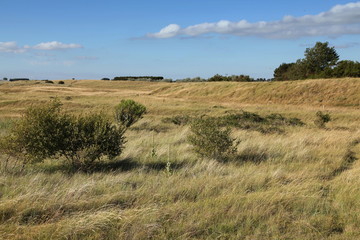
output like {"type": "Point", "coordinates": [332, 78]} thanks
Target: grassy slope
{"type": "Point", "coordinates": [304, 187]}
{"type": "Point", "coordinates": [333, 92]}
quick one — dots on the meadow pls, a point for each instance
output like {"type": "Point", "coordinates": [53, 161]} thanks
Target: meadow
{"type": "Point", "coordinates": [301, 183]}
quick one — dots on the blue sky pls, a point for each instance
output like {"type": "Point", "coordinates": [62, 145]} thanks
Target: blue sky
{"type": "Point", "coordinates": [176, 39]}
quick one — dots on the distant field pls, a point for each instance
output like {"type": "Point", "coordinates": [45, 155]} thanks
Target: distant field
{"type": "Point", "coordinates": [300, 184]}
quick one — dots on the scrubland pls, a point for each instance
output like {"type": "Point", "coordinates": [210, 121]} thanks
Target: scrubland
{"type": "Point", "coordinates": [302, 183]}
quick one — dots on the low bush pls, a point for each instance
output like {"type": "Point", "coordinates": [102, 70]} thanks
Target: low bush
{"type": "Point", "coordinates": [211, 140]}
{"type": "Point", "coordinates": [278, 119]}
{"type": "Point", "coordinates": [61, 82]}
{"type": "Point", "coordinates": [46, 132]}
{"type": "Point", "coordinates": [128, 112]}
{"type": "Point", "coordinates": [322, 119]}
{"type": "Point", "coordinates": [264, 124]}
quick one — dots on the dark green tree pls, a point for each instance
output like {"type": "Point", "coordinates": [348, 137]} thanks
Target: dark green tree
{"type": "Point", "coordinates": [319, 62]}
{"type": "Point", "coordinates": [347, 68]}
{"type": "Point", "coordinates": [217, 78]}
{"type": "Point", "coordinates": [281, 73]}
{"type": "Point", "coordinates": [298, 71]}
{"type": "Point", "coordinates": [320, 57]}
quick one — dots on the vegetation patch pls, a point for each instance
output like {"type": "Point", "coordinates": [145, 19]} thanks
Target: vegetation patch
{"type": "Point", "coordinates": [322, 119]}
{"type": "Point", "coordinates": [128, 112]}
{"type": "Point", "coordinates": [321, 61]}
{"type": "Point", "coordinates": [210, 140]}
{"type": "Point", "coordinates": [47, 132]}
{"type": "Point", "coordinates": [268, 124]}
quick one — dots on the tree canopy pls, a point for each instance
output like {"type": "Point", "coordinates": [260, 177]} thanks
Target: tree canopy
{"type": "Point", "coordinates": [320, 57]}
{"type": "Point", "coordinates": [320, 61]}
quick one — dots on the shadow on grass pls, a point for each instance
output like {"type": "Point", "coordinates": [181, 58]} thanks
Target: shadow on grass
{"type": "Point", "coordinates": [160, 166]}
{"type": "Point", "coordinates": [122, 165]}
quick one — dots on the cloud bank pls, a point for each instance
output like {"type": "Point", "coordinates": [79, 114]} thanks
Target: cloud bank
{"type": "Point", "coordinates": [339, 20]}
{"type": "Point", "coordinates": [55, 46]}
{"type": "Point", "coordinates": [12, 47]}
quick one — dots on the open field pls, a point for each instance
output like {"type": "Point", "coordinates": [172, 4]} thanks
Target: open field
{"type": "Point", "coordinates": [301, 184]}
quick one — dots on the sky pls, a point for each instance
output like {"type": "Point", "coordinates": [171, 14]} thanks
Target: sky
{"type": "Point", "coordinates": [93, 39]}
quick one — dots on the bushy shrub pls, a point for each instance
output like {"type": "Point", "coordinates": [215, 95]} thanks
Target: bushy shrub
{"type": "Point", "coordinates": [128, 112]}
{"type": "Point", "coordinates": [322, 119]}
{"type": "Point", "coordinates": [279, 120]}
{"type": "Point", "coordinates": [95, 137]}
{"type": "Point", "coordinates": [209, 139]}
{"type": "Point", "coordinates": [253, 121]}
{"type": "Point", "coordinates": [61, 82]}
{"type": "Point", "coordinates": [46, 132]}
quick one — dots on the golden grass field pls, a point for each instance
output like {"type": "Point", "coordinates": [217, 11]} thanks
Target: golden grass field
{"type": "Point", "coordinates": [303, 185]}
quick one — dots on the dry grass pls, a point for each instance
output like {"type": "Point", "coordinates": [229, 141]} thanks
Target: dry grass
{"type": "Point", "coordinates": [302, 186]}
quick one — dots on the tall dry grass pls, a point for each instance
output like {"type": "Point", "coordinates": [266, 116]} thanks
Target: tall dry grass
{"type": "Point", "coordinates": [296, 185]}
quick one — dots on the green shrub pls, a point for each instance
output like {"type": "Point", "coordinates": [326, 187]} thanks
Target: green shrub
{"type": "Point", "coordinates": [322, 119]}
{"type": "Point", "coordinates": [94, 137]}
{"type": "Point", "coordinates": [46, 132]}
{"type": "Point", "coordinates": [252, 121]}
{"type": "Point", "coordinates": [61, 82]}
{"type": "Point", "coordinates": [128, 112]}
{"type": "Point", "coordinates": [209, 139]}
{"type": "Point", "coordinates": [280, 120]}
{"type": "Point", "coordinates": [244, 120]}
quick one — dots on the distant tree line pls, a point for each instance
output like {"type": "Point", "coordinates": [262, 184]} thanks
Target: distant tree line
{"type": "Point", "coordinates": [141, 78]}
{"type": "Point", "coordinates": [233, 78]}
{"type": "Point", "coordinates": [215, 78]}
{"type": "Point", "coordinates": [221, 78]}
{"type": "Point", "coordinates": [320, 61]}
{"type": "Point", "coordinates": [195, 79]}
{"type": "Point", "coordinates": [17, 79]}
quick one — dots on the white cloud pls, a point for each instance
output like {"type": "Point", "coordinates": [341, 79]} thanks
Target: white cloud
{"type": "Point", "coordinates": [167, 32]}
{"type": "Point", "coordinates": [54, 45]}
{"type": "Point", "coordinates": [339, 20]}
{"type": "Point", "coordinates": [11, 47]}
